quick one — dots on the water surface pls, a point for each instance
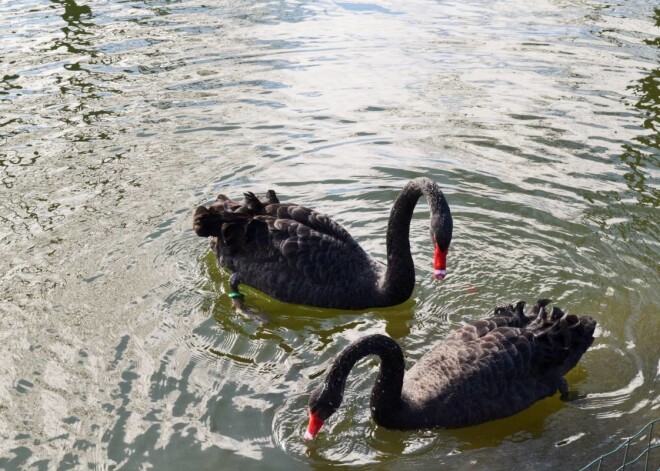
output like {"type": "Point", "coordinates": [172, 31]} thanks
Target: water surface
{"type": "Point", "coordinates": [118, 347]}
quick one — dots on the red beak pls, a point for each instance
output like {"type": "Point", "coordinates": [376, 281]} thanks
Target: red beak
{"type": "Point", "coordinates": [440, 263]}
{"type": "Point", "coordinates": [315, 424]}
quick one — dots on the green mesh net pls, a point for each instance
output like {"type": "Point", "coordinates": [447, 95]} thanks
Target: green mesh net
{"type": "Point", "coordinates": [636, 453]}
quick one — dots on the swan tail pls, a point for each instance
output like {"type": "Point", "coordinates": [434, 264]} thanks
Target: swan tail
{"type": "Point", "coordinates": [216, 221]}
{"type": "Point", "coordinates": [513, 315]}
{"type": "Point", "coordinates": [561, 338]}
{"type": "Point", "coordinates": [252, 205]}
{"type": "Point", "coordinates": [231, 221]}
{"type": "Point", "coordinates": [205, 223]}
{"type": "Point", "coordinates": [506, 315]}
{"type": "Point", "coordinates": [224, 201]}
{"type": "Point", "coordinates": [540, 305]}
{"type": "Point", "coordinates": [271, 198]}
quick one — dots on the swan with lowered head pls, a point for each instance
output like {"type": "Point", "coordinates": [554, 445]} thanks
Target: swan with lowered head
{"type": "Point", "coordinates": [297, 255]}
{"type": "Point", "coordinates": [486, 370]}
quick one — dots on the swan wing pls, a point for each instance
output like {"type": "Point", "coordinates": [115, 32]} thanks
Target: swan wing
{"type": "Point", "coordinates": [459, 382]}
{"type": "Point", "coordinates": [306, 244]}
{"type": "Point", "coordinates": [508, 315]}
{"type": "Point", "coordinates": [317, 256]}
{"type": "Point", "coordinates": [308, 217]}
{"type": "Point", "coordinates": [475, 367]}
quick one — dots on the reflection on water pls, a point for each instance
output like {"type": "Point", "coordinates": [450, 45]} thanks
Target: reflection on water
{"type": "Point", "coordinates": [76, 33]}
{"type": "Point", "coordinates": [632, 214]}
{"type": "Point", "coordinates": [120, 348]}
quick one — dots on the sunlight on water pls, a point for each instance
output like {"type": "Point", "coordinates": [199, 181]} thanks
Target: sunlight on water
{"type": "Point", "coordinates": [120, 348]}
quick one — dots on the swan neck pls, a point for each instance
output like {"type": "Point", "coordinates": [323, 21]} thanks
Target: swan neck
{"type": "Point", "coordinates": [386, 393]}
{"type": "Point", "coordinates": [399, 279]}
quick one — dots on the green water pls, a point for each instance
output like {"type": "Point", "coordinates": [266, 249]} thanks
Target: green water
{"type": "Point", "coordinates": [118, 347]}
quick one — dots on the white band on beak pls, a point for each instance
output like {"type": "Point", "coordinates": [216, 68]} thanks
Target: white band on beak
{"type": "Point", "coordinates": [440, 272]}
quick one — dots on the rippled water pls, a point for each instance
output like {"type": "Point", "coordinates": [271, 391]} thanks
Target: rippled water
{"type": "Point", "coordinates": [118, 347]}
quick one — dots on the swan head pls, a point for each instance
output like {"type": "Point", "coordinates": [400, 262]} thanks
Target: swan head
{"type": "Point", "coordinates": [441, 232]}
{"type": "Point", "coordinates": [315, 424]}
{"type": "Point", "coordinates": [440, 263]}
{"type": "Point", "coordinates": [322, 404]}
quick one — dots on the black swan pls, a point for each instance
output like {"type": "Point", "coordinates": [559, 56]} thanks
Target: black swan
{"type": "Point", "coordinates": [488, 369]}
{"type": "Point", "coordinates": [299, 256]}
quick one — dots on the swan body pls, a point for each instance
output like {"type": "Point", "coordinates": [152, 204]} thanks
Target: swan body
{"type": "Point", "coordinates": [488, 369]}
{"type": "Point", "coordinates": [298, 255]}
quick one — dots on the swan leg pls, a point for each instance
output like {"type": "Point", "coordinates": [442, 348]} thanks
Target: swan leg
{"type": "Point", "coordinates": [238, 304]}
{"type": "Point", "coordinates": [235, 295]}
{"type": "Point", "coordinates": [563, 388]}
{"type": "Point", "coordinates": [234, 281]}
{"type": "Point", "coordinates": [567, 395]}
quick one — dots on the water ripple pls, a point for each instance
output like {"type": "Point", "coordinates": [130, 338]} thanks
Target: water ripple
{"type": "Point", "coordinates": [119, 345]}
